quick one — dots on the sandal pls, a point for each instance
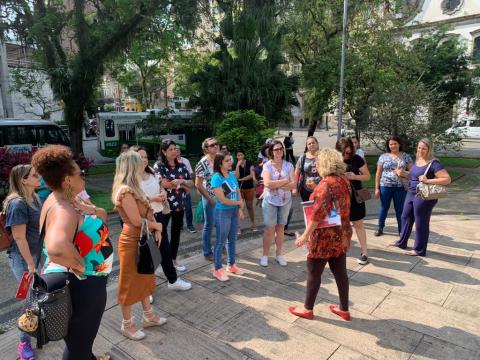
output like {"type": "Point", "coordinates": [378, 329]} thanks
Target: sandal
{"type": "Point", "coordinates": [105, 356]}
{"type": "Point", "coordinates": [133, 334]}
{"type": "Point", "coordinates": [151, 319]}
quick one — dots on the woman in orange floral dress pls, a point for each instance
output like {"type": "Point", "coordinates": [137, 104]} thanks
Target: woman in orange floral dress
{"type": "Point", "coordinates": [133, 206]}
{"type": "Point", "coordinates": [327, 244]}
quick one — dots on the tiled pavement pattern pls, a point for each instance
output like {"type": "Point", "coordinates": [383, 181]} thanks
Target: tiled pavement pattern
{"type": "Point", "coordinates": [402, 307]}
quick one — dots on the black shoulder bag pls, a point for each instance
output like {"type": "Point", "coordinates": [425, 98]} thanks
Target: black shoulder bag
{"type": "Point", "coordinates": [50, 310]}
{"type": "Point", "coordinates": [148, 256]}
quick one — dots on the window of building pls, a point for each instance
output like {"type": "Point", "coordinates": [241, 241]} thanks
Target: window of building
{"type": "Point", "coordinates": [451, 6]}
{"type": "Point", "coordinates": [476, 50]}
{"type": "Point", "coordinates": [109, 128]}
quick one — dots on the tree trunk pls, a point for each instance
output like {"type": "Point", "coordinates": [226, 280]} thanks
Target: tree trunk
{"type": "Point", "coordinates": [312, 126]}
{"type": "Point", "coordinates": [75, 118]}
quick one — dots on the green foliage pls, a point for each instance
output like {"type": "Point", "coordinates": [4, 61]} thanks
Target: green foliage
{"type": "Point", "coordinates": [74, 42]}
{"type": "Point", "coordinates": [244, 130]}
{"type": "Point", "coordinates": [30, 82]}
{"type": "Point", "coordinates": [144, 67]}
{"type": "Point", "coordinates": [246, 72]}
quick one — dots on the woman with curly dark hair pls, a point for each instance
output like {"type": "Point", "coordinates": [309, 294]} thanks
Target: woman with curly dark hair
{"type": "Point", "coordinates": [77, 247]}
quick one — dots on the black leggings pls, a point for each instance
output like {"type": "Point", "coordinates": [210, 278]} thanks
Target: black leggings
{"type": "Point", "coordinates": [177, 223]}
{"type": "Point", "coordinates": [166, 251]}
{"type": "Point", "coordinates": [89, 298]}
{"type": "Point", "coordinates": [338, 267]}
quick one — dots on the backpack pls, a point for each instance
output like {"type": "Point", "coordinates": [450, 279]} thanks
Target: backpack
{"type": "Point", "coordinates": [6, 237]}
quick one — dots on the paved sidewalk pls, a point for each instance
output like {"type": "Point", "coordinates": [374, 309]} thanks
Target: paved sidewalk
{"type": "Point", "coordinates": [402, 307]}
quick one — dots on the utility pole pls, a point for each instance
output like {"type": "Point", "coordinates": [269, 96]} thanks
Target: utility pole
{"type": "Point", "coordinates": [342, 70]}
{"type": "Point", "coordinates": [4, 83]}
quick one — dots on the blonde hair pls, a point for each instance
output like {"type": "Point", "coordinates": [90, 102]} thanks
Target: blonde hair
{"type": "Point", "coordinates": [429, 144]}
{"type": "Point", "coordinates": [17, 188]}
{"type": "Point", "coordinates": [329, 162]}
{"type": "Point", "coordinates": [127, 173]}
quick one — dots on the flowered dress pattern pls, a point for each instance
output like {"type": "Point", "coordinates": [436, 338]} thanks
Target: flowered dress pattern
{"type": "Point", "coordinates": [325, 243]}
{"type": "Point", "coordinates": [94, 245]}
{"type": "Point", "coordinates": [176, 197]}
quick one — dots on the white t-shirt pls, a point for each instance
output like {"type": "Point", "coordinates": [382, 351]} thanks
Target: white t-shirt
{"type": "Point", "coordinates": [151, 187]}
{"type": "Point", "coordinates": [187, 164]}
{"type": "Point", "coordinates": [360, 152]}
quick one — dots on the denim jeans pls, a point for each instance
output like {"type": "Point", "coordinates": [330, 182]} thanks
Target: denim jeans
{"type": "Point", "coordinates": [18, 266]}
{"type": "Point", "coordinates": [226, 225]}
{"type": "Point", "coordinates": [188, 210]}
{"type": "Point", "coordinates": [207, 227]}
{"type": "Point", "coordinates": [388, 193]}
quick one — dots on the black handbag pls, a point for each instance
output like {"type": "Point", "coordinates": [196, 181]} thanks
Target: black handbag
{"type": "Point", "coordinates": [52, 309]}
{"type": "Point", "coordinates": [148, 255]}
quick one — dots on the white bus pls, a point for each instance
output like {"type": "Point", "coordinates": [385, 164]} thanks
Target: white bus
{"type": "Point", "coordinates": [116, 128]}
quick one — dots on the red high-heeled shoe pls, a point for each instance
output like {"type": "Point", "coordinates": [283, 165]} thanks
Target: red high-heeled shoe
{"type": "Point", "coordinates": [304, 314]}
{"type": "Point", "coordinates": [345, 315]}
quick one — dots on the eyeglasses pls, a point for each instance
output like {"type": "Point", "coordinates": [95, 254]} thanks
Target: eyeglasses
{"type": "Point", "coordinates": [278, 149]}
{"type": "Point", "coordinates": [212, 145]}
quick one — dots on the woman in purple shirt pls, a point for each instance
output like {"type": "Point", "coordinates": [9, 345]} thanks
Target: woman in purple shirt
{"type": "Point", "coordinates": [416, 210]}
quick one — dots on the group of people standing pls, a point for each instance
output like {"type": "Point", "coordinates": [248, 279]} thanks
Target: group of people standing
{"type": "Point", "coordinates": [77, 246]}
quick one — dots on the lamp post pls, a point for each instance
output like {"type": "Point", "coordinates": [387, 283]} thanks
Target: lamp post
{"type": "Point", "coordinates": [342, 70]}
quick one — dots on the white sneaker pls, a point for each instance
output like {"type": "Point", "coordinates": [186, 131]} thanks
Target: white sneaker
{"type": "Point", "coordinates": [180, 284]}
{"type": "Point", "coordinates": [181, 268]}
{"type": "Point", "coordinates": [159, 272]}
{"type": "Point", "coordinates": [281, 260]}
{"type": "Point", "coordinates": [264, 261]}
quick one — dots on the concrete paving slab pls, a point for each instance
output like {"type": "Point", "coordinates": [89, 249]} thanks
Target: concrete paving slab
{"type": "Point", "coordinates": [177, 340]}
{"type": "Point", "coordinates": [365, 334]}
{"type": "Point", "coordinates": [262, 336]}
{"type": "Point", "coordinates": [460, 300]}
{"type": "Point", "coordinates": [415, 285]}
{"type": "Point", "coordinates": [433, 320]}
{"type": "Point", "coordinates": [345, 353]}
{"type": "Point", "coordinates": [433, 348]}
{"type": "Point", "coordinates": [204, 315]}
{"type": "Point", "coordinates": [452, 274]}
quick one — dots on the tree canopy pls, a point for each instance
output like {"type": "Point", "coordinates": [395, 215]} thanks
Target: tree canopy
{"type": "Point", "coordinates": [247, 72]}
{"type": "Point", "coordinates": [75, 39]}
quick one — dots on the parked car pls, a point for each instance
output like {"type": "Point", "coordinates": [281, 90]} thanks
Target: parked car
{"type": "Point", "coordinates": [25, 135]}
{"type": "Point", "coordinates": [466, 128]}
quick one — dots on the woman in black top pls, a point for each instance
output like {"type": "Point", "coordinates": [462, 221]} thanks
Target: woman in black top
{"type": "Point", "coordinates": [245, 173]}
{"type": "Point", "coordinates": [356, 172]}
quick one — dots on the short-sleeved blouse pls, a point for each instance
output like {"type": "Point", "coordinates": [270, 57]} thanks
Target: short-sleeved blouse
{"type": "Point", "coordinates": [309, 169]}
{"type": "Point", "coordinates": [417, 171]}
{"type": "Point", "coordinates": [277, 197]}
{"type": "Point", "coordinates": [330, 242]}
{"type": "Point", "coordinates": [389, 164]}
{"type": "Point", "coordinates": [151, 187]}
{"type": "Point", "coordinates": [176, 197]}
{"type": "Point", "coordinates": [353, 165]}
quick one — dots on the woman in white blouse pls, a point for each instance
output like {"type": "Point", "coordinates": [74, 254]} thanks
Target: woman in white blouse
{"type": "Point", "coordinates": [158, 200]}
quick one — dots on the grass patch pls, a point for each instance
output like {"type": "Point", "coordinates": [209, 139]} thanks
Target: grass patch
{"type": "Point", "coordinates": [102, 169]}
{"type": "Point", "coordinates": [446, 161]}
{"type": "Point", "coordinates": [101, 199]}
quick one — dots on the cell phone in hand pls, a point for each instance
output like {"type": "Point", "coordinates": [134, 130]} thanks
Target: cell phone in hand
{"type": "Point", "coordinates": [22, 290]}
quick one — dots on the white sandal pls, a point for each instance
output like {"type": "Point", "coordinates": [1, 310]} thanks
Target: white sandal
{"type": "Point", "coordinates": [137, 335]}
{"type": "Point", "coordinates": [149, 319]}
